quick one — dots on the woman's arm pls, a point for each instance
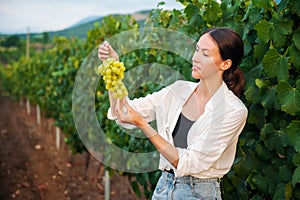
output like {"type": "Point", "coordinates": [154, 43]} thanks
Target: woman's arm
{"type": "Point", "coordinates": [106, 51]}
{"type": "Point", "coordinates": [132, 117]}
{"type": "Point", "coordinates": [163, 146]}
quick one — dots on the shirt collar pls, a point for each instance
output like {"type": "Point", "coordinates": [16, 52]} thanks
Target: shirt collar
{"type": "Point", "coordinates": [217, 97]}
{"type": "Point", "coordinates": [214, 100]}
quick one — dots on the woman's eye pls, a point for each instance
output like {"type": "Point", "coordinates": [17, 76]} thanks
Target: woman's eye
{"type": "Point", "coordinates": [204, 54]}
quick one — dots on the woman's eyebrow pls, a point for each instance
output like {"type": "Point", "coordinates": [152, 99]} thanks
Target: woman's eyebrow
{"type": "Point", "coordinates": [203, 49]}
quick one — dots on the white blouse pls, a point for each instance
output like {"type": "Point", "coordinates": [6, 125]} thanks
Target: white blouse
{"type": "Point", "coordinates": [211, 140]}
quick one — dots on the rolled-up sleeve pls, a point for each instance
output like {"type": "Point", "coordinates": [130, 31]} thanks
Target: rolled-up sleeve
{"type": "Point", "coordinates": [216, 143]}
{"type": "Point", "coordinates": [146, 106]}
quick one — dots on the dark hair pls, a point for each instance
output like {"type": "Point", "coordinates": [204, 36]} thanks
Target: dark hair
{"type": "Point", "coordinates": [231, 47]}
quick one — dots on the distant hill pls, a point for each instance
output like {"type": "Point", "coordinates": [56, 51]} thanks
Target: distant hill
{"type": "Point", "coordinates": [85, 20]}
{"type": "Point", "coordinates": [81, 28]}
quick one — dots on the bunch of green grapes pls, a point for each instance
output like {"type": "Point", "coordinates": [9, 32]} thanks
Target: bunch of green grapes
{"type": "Point", "coordinates": [112, 72]}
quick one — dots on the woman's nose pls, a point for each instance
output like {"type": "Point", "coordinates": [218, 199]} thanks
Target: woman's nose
{"type": "Point", "coordinates": [195, 57]}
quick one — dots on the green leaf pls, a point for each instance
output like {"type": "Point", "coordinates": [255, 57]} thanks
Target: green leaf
{"type": "Point", "coordinates": [251, 75]}
{"type": "Point", "coordinates": [135, 188]}
{"type": "Point", "coordinates": [280, 191]}
{"type": "Point", "coordinates": [285, 173]}
{"type": "Point", "coordinates": [296, 176]}
{"type": "Point", "coordinates": [273, 139]}
{"type": "Point", "coordinates": [259, 182]}
{"type": "Point", "coordinates": [142, 179]}
{"type": "Point", "coordinates": [282, 27]}
{"type": "Point", "coordinates": [282, 5]}
{"type": "Point", "coordinates": [261, 3]}
{"type": "Point", "coordinates": [269, 100]}
{"type": "Point", "coordinates": [212, 13]}
{"type": "Point", "coordinates": [254, 16]}
{"type": "Point", "coordinates": [161, 3]}
{"type": "Point", "coordinates": [295, 7]}
{"type": "Point", "coordinates": [293, 131]}
{"type": "Point", "coordinates": [268, 94]}
{"type": "Point", "coordinates": [251, 94]}
{"type": "Point", "coordinates": [256, 115]}
{"type": "Point", "coordinates": [191, 10]}
{"type": "Point", "coordinates": [288, 191]}
{"type": "Point", "coordinates": [295, 56]}
{"type": "Point", "coordinates": [276, 65]}
{"type": "Point", "coordinates": [263, 152]}
{"type": "Point", "coordinates": [260, 50]}
{"type": "Point", "coordinates": [276, 29]}
{"type": "Point", "coordinates": [289, 98]}
{"type": "Point", "coordinates": [296, 38]}
{"type": "Point", "coordinates": [296, 159]}
{"type": "Point", "coordinates": [263, 29]}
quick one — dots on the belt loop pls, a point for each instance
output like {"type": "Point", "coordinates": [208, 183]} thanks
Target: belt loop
{"type": "Point", "coordinates": [191, 181]}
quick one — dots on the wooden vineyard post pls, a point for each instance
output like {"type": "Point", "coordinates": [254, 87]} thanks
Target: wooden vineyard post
{"type": "Point", "coordinates": [28, 106]}
{"type": "Point", "coordinates": [107, 186]}
{"type": "Point", "coordinates": [27, 57]}
{"type": "Point", "coordinates": [38, 114]}
{"type": "Point", "coordinates": [57, 137]}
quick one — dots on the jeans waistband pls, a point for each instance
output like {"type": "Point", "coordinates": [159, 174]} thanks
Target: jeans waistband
{"type": "Point", "coordinates": [189, 179]}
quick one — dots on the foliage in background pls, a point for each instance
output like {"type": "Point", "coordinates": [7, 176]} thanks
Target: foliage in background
{"type": "Point", "coordinates": [267, 165]}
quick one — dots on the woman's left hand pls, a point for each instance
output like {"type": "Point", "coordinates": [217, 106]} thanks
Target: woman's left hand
{"type": "Point", "coordinates": [129, 115]}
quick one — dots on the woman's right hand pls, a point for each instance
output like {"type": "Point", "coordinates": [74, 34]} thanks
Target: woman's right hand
{"type": "Point", "coordinates": [106, 51]}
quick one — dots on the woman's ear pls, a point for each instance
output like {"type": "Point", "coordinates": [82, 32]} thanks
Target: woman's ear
{"type": "Point", "coordinates": [226, 64]}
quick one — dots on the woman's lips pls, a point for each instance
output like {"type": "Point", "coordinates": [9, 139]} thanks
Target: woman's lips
{"type": "Point", "coordinates": [195, 68]}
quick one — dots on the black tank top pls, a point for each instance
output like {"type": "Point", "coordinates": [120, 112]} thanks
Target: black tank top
{"type": "Point", "coordinates": [181, 130]}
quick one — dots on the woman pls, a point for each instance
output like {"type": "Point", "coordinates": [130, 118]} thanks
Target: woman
{"type": "Point", "coordinates": [198, 124]}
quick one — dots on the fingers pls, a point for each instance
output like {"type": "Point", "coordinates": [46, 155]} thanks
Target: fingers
{"type": "Point", "coordinates": [122, 110]}
{"type": "Point", "coordinates": [105, 43]}
{"type": "Point", "coordinates": [103, 51]}
{"type": "Point", "coordinates": [124, 102]}
{"type": "Point", "coordinates": [119, 109]}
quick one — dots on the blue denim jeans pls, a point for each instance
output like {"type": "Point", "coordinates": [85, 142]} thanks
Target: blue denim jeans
{"type": "Point", "coordinates": [186, 188]}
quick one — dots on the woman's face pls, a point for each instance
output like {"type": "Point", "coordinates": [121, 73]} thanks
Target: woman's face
{"type": "Point", "coordinates": [207, 61]}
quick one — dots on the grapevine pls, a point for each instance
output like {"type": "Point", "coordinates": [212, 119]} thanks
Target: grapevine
{"type": "Point", "coordinates": [112, 72]}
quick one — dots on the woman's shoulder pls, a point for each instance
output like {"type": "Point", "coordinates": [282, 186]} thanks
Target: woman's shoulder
{"type": "Point", "coordinates": [236, 103]}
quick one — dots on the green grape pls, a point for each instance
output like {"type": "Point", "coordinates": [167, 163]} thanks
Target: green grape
{"type": "Point", "coordinates": [112, 72]}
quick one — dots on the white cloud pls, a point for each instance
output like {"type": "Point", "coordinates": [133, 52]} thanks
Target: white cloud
{"type": "Point", "coordinates": [46, 15]}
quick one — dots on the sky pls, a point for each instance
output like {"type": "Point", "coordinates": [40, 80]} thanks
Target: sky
{"type": "Point", "coordinates": [16, 16]}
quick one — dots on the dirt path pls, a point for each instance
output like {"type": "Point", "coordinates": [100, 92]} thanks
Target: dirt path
{"type": "Point", "coordinates": [31, 167]}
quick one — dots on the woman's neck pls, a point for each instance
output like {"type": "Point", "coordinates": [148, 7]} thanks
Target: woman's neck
{"type": "Point", "coordinates": [206, 89]}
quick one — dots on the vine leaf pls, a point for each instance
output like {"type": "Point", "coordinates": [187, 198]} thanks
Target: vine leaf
{"type": "Point", "coordinates": [281, 28]}
{"type": "Point", "coordinates": [296, 38]}
{"type": "Point", "coordinates": [275, 30]}
{"type": "Point", "coordinates": [261, 3]}
{"type": "Point", "coordinates": [296, 176]}
{"type": "Point", "coordinates": [289, 97]}
{"type": "Point", "coordinates": [293, 131]}
{"type": "Point", "coordinates": [296, 159]}
{"type": "Point", "coordinates": [212, 13]}
{"type": "Point", "coordinates": [276, 65]}
{"type": "Point", "coordinates": [295, 56]}
{"type": "Point", "coordinates": [263, 29]}
{"type": "Point", "coordinates": [191, 10]}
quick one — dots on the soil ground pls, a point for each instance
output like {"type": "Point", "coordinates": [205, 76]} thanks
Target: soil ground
{"type": "Point", "coordinates": [32, 167]}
